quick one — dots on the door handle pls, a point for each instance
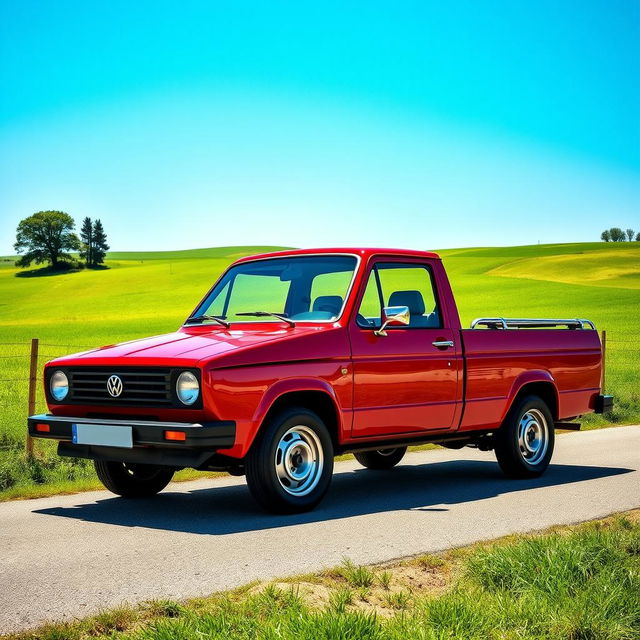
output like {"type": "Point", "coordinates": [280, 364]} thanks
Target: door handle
{"type": "Point", "coordinates": [442, 344]}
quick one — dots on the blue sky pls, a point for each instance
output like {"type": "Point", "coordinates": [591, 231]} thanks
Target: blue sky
{"type": "Point", "coordinates": [411, 124]}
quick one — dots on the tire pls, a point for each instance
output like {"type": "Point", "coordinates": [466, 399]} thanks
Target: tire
{"type": "Point", "coordinates": [381, 458]}
{"type": "Point", "coordinates": [289, 466]}
{"type": "Point", "coordinates": [132, 480]}
{"type": "Point", "coordinates": [524, 443]}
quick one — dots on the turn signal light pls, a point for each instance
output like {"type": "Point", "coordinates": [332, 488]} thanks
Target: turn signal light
{"type": "Point", "coordinates": [175, 435]}
{"type": "Point", "coordinates": [43, 428]}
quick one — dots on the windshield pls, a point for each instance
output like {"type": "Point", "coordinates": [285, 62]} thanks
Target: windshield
{"type": "Point", "coordinates": [300, 288]}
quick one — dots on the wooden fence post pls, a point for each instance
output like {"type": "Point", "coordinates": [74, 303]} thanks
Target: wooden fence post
{"type": "Point", "coordinates": [604, 358]}
{"type": "Point", "coordinates": [33, 381]}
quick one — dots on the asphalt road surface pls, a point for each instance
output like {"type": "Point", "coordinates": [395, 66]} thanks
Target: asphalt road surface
{"type": "Point", "coordinates": [69, 556]}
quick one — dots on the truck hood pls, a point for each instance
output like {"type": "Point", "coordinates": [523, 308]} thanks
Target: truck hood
{"type": "Point", "coordinates": [189, 345]}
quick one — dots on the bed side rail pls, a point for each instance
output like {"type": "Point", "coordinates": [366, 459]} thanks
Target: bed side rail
{"type": "Point", "coordinates": [532, 323]}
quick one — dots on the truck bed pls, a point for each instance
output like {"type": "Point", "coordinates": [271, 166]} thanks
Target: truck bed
{"type": "Point", "coordinates": [498, 362]}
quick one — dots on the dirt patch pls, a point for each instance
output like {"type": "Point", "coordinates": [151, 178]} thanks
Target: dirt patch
{"type": "Point", "coordinates": [416, 577]}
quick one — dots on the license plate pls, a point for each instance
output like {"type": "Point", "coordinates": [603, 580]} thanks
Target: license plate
{"type": "Point", "coordinates": [103, 435]}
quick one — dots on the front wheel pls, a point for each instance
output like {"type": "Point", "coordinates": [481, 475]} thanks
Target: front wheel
{"type": "Point", "coordinates": [290, 464]}
{"type": "Point", "coordinates": [132, 480]}
{"type": "Point", "coordinates": [524, 443]}
{"type": "Point", "coordinates": [381, 458]}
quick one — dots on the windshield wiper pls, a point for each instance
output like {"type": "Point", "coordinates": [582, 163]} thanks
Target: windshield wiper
{"type": "Point", "coordinates": [263, 314]}
{"type": "Point", "coordinates": [204, 317]}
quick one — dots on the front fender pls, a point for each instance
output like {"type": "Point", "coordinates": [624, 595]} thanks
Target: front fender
{"type": "Point", "coordinates": [282, 387]}
{"type": "Point", "coordinates": [248, 393]}
{"type": "Point", "coordinates": [248, 430]}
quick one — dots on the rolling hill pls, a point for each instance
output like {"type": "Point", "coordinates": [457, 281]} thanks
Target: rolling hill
{"type": "Point", "coordinates": [147, 293]}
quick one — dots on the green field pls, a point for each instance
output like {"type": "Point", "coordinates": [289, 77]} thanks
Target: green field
{"type": "Point", "coordinates": [149, 293]}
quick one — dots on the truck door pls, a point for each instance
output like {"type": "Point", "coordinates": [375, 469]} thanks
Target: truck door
{"type": "Point", "coordinates": [406, 381]}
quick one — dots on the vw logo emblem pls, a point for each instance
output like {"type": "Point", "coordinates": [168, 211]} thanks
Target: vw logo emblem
{"type": "Point", "coordinates": [114, 386]}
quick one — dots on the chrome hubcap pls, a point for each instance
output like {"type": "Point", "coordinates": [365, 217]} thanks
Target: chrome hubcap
{"type": "Point", "coordinates": [299, 460]}
{"type": "Point", "coordinates": [533, 436]}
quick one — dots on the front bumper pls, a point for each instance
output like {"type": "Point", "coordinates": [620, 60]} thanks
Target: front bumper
{"type": "Point", "coordinates": [205, 436]}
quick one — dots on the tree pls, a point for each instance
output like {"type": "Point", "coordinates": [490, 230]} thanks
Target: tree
{"type": "Point", "coordinates": [630, 234]}
{"type": "Point", "coordinates": [638, 236]}
{"type": "Point", "coordinates": [86, 236]}
{"type": "Point", "coordinates": [46, 236]}
{"type": "Point", "coordinates": [617, 234]}
{"type": "Point", "coordinates": [100, 246]}
{"type": "Point", "coordinates": [605, 235]}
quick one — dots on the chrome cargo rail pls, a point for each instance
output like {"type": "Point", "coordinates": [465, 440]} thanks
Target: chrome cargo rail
{"type": "Point", "coordinates": [531, 323]}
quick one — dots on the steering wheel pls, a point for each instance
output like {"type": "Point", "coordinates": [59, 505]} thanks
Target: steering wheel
{"type": "Point", "coordinates": [361, 321]}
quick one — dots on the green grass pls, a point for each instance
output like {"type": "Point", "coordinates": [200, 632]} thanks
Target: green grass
{"type": "Point", "coordinates": [578, 583]}
{"type": "Point", "coordinates": [356, 575]}
{"type": "Point", "coordinates": [150, 293]}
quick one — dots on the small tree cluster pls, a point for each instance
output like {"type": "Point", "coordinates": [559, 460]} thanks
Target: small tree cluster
{"type": "Point", "coordinates": [616, 234]}
{"type": "Point", "coordinates": [94, 242]}
{"type": "Point", "coordinates": [48, 236]}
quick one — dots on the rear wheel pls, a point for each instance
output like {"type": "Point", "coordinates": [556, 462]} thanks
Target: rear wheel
{"type": "Point", "coordinates": [524, 444]}
{"type": "Point", "coordinates": [381, 458]}
{"type": "Point", "coordinates": [131, 480]}
{"type": "Point", "coordinates": [289, 467]}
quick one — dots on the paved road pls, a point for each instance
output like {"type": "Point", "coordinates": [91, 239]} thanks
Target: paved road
{"type": "Point", "coordinates": [68, 556]}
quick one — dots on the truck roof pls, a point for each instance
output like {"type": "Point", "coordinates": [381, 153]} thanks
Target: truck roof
{"type": "Point", "coordinates": [356, 251]}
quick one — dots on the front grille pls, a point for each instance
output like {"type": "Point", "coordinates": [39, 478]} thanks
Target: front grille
{"type": "Point", "coordinates": [141, 386]}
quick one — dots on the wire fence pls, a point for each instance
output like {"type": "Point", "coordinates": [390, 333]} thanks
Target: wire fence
{"type": "Point", "coordinates": [27, 367]}
{"type": "Point", "coordinates": [41, 356]}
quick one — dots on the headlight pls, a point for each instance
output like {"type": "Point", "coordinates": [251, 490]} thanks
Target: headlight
{"type": "Point", "coordinates": [59, 385]}
{"type": "Point", "coordinates": [187, 387]}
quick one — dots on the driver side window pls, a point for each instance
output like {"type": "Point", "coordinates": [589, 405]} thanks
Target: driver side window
{"type": "Point", "coordinates": [395, 284]}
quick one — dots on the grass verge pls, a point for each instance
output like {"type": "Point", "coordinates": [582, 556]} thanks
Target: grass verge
{"type": "Point", "coordinates": [576, 582]}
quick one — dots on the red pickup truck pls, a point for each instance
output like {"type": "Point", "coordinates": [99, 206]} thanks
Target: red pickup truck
{"type": "Point", "coordinates": [297, 356]}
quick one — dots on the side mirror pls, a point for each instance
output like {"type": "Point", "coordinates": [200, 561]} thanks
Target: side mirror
{"type": "Point", "coordinates": [393, 317]}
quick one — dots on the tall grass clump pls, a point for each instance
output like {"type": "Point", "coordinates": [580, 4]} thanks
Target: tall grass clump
{"type": "Point", "coordinates": [356, 575]}
{"type": "Point", "coordinates": [583, 585]}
